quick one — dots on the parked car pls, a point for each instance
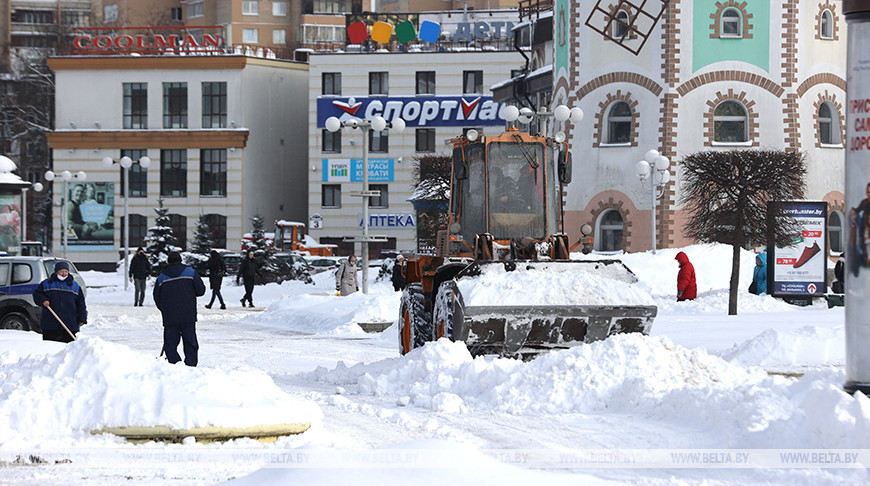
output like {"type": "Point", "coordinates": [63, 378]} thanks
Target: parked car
{"type": "Point", "coordinates": [19, 277]}
{"type": "Point", "coordinates": [299, 265]}
{"type": "Point", "coordinates": [322, 264]}
{"type": "Point", "coordinates": [232, 261]}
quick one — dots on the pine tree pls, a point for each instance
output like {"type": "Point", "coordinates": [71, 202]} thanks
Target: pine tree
{"type": "Point", "coordinates": [264, 252]}
{"type": "Point", "coordinates": [201, 246]}
{"type": "Point", "coordinates": [160, 240]}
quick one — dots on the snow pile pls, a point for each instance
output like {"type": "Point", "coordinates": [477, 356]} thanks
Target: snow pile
{"type": "Point", "coordinates": [809, 345]}
{"type": "Point", "coordinates": [331, 314]}
{"type": "Point", "coordinates": [91, 383]}
{"type": "Point", "coordinates": [553, 284]}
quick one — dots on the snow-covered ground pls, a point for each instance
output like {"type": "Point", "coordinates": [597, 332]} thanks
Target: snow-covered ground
{"type": "Point", "coordinates": [706, 398]}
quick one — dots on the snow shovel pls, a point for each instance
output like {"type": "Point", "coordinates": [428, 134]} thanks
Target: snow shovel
{"type": "Point", "coordinates": [61, 322]}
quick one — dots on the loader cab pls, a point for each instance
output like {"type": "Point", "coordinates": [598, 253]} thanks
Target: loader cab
{"type": "Point", "coordinates": [506, 187]}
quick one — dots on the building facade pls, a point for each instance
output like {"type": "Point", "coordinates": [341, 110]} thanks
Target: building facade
{"type": "Point", "coordinates": [708, 76]}
{"type": "Point", "coordinates": [222, 132]}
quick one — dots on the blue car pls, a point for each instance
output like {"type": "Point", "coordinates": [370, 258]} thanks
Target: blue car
{"type": "Point", "coordinates": [19, 277]}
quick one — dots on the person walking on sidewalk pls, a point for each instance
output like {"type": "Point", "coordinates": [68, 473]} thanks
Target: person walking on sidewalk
{"type": "Point", "coordinates": [248, 272]}
{"type": "Point", "coordinates": [686, 287]}
{"type": "Point", "coordinates": [175, 294]}
{"type": "Point", "coordinates": [216, 271]}
{"type": "Point", "coordinates": [62, 294]}
{"type": "Point", "coordinates": [140, 270]}
{"type": "Point", "coordinates": [346, 282]}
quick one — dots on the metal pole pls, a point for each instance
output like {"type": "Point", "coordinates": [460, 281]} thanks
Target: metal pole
{"type": "Point", "coordinates": [64, 218]}
{"type": "Point", "coordinates": [126, 190]}
{"type": "Point", "coordinates": [23, 215]}
{"type": "Point", "coordinates": [365, 243]}
{"type": "Point", "coordinates": [652, 186]}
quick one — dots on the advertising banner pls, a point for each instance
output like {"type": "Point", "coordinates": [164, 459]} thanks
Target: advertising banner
{"type": "Point", "coordinates": [10, 223]}
{"type": "Point", "coordinates": [417, 111]}
{"type": "Point", "coordinates": [350, 170]}
{"type": "Point", "coordinates": [90, 216]}
{"type": "Point", "coordinates": [800, 269]}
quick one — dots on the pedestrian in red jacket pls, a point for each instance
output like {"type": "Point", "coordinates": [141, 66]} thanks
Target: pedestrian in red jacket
{"type": "Point", "coordinates": [686, 288]}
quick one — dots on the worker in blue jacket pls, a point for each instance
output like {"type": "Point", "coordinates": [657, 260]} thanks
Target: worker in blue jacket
{"type": "Point", "coordinates": [175, 294]}
{"type": "Point", "coordinates": [66, 299]}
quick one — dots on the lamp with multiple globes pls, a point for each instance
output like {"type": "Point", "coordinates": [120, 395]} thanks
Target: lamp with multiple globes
{"type": "Point", "coordinates": [125, 163]}
{"type": "Point", "coordinates": [653, 170]}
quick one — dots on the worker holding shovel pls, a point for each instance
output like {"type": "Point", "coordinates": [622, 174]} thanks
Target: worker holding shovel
{"type": "Point", "coordinates": [63, 303]}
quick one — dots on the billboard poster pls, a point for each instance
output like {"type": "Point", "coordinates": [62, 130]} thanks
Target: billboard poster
{"type": "Point", "coordinates": [90, 216]}
{"type": "Point", "coordinates": [350, 170]}
{"type": "Point", "coordinates": [10, 223]}
{"type": "Point", "coordinates": [800, 269]}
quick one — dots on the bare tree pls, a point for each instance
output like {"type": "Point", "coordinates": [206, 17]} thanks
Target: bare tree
{"type": "Point", "coordinates": [726, 196]}
{"type": "Point", "coordinates": [430, 197]}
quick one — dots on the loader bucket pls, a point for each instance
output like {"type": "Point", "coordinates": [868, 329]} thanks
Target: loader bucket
{"type": "Point", "coordinates": [522, 308]}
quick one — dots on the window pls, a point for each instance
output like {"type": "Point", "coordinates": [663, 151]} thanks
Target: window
{"type": "Point", "coordinates": [174, 105]}
{"type": "Point", "coordinates": [331, 197]}
{"type": "Point", "coordinates": [323, 33]}
{"type": "Point", "coordinates": [472, 82]}
{"type": "Point", "coordinates": [620, 24]}
{"type": "Point", "coordinates": [279, 36]}
{"type": "Point", "coordinates": [138, 175]}
{"type": "Point", "coordinates": [173, 172]}
{"type": "Point", "coordinates": [217, 224]}
{"type": "Point", "coordinates": [178, 224]}
{"type": "Point", "coordinates": [213, 172]}
{"type": "Point", "coordinates": [619, 123]}
{"type": "Point", "coordinates": [214, 104]}
{"type": "Point", "coordinates": [729, 123]}
{"type": "Point", "coordinates": [379, 141]}
{"type": "Point", "coordinates": [835, 231]}
{"type": "Point", "coordinates": [138, 230]}
{"type": "Point", "coordinates": [21, 273]}
{"type": "Point", "coordinates": [382, 201]}
{"type": "Point", "coordinates": [425, 140]}
{"type": "Point", "coordinates": [331, 141]}
{"type": "Point", "coordinates": [731, 23]}
{"type": "Point", "coordinates": [829, 124]}
{"type": "Point", "coordinates": [279, 9]}
{"type": "Point", "coordinates": [4, 273]}
{"type": "Point", "coordinates": [610, 228]}
{"type": "Point", "coordinates": [110, 13]}
{"type": "Point", "coordinates": [425, 82]}
{"type": "Point", "coordinates": [250, 7]}
{"type": "Point", "coordinates": [379, 83]}
{"type": "Point", "coordinates": [826, 28]}
{"type": "Point", "coordinates": [331, 83]}
{"type": "Point", "coordinates": [175, 13]}
{"type": "Point", "coordinates": [194, 9]}
{"type": "Point", "coordinates": [250, 36]}
{"type": "Point", "coordinates": [136, 106]}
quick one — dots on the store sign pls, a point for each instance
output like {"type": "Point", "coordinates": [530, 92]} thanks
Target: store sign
{"type": "Point", "coordinates": [392, 220]}
{"type": "Point", "coordinates": [417, 111]}
{"type": "Point", "coordinates": [351, 170]}
{"type": "Point", "coordinates": [800, 268]}
{"type": "Point", "coordinates": [406, 31]}
{"type": "Point", "coordinates": [143, 40]}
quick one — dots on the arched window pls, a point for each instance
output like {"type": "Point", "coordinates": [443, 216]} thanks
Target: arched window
{"type": "Point", "coordinates": [829, 124]}
{"type": "Point", "coordinates": [730, 122]}
{"type": "Point", "coordinates": [217, 224]}
{"type": "Point", "coordinates": [178, 223]}
{"type": "Point", "coordinates": [731, 23]}
{"type": "Point", "coordinates": [620, 24]}
{"type": "Point", "coordinates": [609, 231]}
{"type": "Point", "coordinates": [835, 231]}
{"type": "Point", "coordinates": [826, 29]}
{"type": "Point", "coordinates": [619, 123]}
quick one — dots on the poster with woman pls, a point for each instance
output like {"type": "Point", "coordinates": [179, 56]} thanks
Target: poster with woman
{"type": "Point", "coordinates": [10, 223]}
{"type": "Point", "coordinates": [90, 216]}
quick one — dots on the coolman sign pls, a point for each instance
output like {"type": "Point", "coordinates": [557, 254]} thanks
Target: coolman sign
{"type": "Point", "coordinates": [350, 170]}
{"type": "Point", "coordinates": [144, 40]}
{"type": "Point", "coordinates": [800, 268]}
{"type": "Point", "coordinates": [434, 111]}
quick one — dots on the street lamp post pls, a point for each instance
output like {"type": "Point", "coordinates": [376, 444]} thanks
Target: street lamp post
{"type": "Point", "coordinates": [65, 176]}
{"type": "Point", "coordinates": [377, 124]}
{"type": "Point", "coordinates": [653, 167]}
{"type": "Point", "coordinates": [126, 163]}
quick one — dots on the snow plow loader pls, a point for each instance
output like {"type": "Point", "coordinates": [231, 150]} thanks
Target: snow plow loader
{"type": "Point", "coordinates": [501, 279]}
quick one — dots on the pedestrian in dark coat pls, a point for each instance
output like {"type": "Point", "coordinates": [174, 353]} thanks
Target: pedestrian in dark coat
{"type": "Point", "coordinates": [248, 272]}
{"type": "Point", "coordinates": [759, 274]}
{"type": "Point", "coordinates": [399, 273]}
{"type": "Point", "coordinates": [175, 294]}
{"type": "Point", "coordinates": [66, 298]}
{"type": "Point", "coordinates": [346, 281]}
{"type": "Point", "coordinates": [216, 271]}
{"type": "Point", "coordinates": [140, 270]}
{"type": "Point", "coordinates": [686, 288]}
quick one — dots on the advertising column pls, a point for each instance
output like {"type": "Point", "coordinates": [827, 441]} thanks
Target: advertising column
{"type": "Point", "coordinates": [858, 197]}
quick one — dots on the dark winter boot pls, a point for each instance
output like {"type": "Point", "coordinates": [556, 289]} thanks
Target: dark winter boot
{"type": "Point", "coordinates": [208, 306]}
{"type": "Point", "coordinates": [242, 301]}
{"type": "Point", "coordinates": [223, 307]}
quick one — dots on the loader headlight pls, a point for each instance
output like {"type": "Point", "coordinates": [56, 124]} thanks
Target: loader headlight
{"type": "Point", "coordinates": [455, 227]}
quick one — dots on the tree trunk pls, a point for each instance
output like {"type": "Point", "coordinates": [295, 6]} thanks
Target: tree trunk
{"type": "Point", "coordinates": [735, 280]}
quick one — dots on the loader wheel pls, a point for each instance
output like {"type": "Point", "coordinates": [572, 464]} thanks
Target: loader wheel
{"type": "Point", "coordinates": [445, 311]}
{"type": "Point", "coordinates": [415, 322]}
